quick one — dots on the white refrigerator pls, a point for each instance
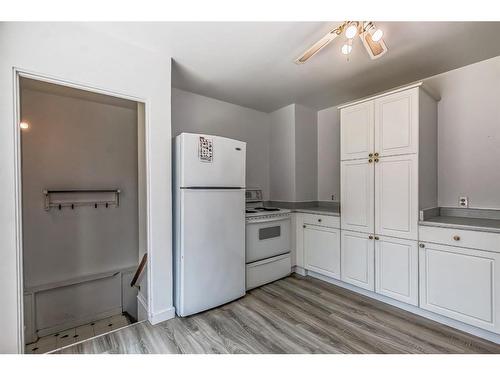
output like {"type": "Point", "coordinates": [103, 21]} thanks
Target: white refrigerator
{"type": "Point", "coordinates": [209, 233]}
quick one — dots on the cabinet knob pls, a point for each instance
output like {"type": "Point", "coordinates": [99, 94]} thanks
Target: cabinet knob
{"type": "Point", "coordinates": [422, 245]}
{"type": "Point", "coordinates": [370, 160]}
{"type": "Point", "coordinates": [377, 238]}
{"type": "Point", "coordinates": [303, 226]}
{"type": "Point", "coordinates": [319, 220]}
{"type": "Point", "coordinates": [376, 160]}
{"type": "Point", "coordinates": [370, 237]}
{"type": "Point", "coordinates": [370, 155]}
{"type": "Point", "coordinates": [376, 154]}
{"type": "Point", "coordinates": [456, 238]}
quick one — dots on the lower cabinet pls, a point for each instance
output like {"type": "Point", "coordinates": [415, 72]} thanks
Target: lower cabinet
{"type": "Point", "coordinates": [357, 259]}
{"type": "Point", "coordinates": [322, 250]}
{"type": "Point", "coordinates": [396, 269]}
{"type": "Point", "coordinates": [461, 283]}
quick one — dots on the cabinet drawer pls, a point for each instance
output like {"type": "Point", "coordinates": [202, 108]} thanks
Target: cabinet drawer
{"type": "Point", "coordinates": [461, 238]}
{"type": "Point", "coordinates": [322, 220]}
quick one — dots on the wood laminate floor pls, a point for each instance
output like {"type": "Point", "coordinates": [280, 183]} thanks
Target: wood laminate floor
{"type": "Point", "coordinates": [293, 315]}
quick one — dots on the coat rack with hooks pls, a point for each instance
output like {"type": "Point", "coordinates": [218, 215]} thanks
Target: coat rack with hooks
{"type": "Point", "coordinates": [51, 200]}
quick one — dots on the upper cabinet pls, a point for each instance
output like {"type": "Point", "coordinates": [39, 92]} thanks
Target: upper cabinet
{"type": "Point", "coordinates": [396, 123]}
{"type": "Point", "coordinates": [357, 131]}
{"type": "Point", "coordinates": [389, 162]}
{"type": "Point", "coordinates": [380, 127]}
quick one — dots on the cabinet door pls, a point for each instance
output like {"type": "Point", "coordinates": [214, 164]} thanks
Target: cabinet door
{"type": "Point", "coordinates": [357, 260]}
{"type": "Point", "coordinates": [396, 123]}
{"type": "Point", "coordinates": [356, 131]}
{"type": "Point", "coordinates": [461, 284]}
{"type": "Point", "coordinates": [396, 196]}
{"type": "Point", "coordinates": [322, 250]}
{"type": "Point", "coordinates": [396, 269]}
{"type": "Point", "coordinates": [356, 196]}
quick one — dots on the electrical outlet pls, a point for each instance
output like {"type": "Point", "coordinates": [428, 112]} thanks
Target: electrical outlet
{"type": "Point", "coordinates": [463, 202]}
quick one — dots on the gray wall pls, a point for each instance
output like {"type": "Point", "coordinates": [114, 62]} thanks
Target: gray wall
{"type": "Point", "coordinates": [293, 173]}
{"type": "Point", "coordinates": [468, 138]}
{"type": "Point", "coordinates": [200, 114]}
{"type": "Point", "coordinates": [282, 154]}
{"type": "Point", "coordinates": [306, 154]}
{"type": "Point", "coordinates": [469, 134]}
{"type": "Point", "coordinates": [76, 143]}
{"type": "Point", "coordinates": [329, 154]}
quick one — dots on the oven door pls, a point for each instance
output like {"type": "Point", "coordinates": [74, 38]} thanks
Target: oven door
{"type": "Point", "coordinates": [267, 237]}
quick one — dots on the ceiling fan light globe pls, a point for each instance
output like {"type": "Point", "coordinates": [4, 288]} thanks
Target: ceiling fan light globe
{"type": "Point", "coordinates": [351, 31]}
{"type": "Point", "coordinates": [377, 35]}
{"type": "Point", "coordinates": [346, 49]}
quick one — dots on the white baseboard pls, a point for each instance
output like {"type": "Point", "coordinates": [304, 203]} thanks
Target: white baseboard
{"type": "Point", "coordinates": [490, 336]}
{"type": "Point", "coordinates": [142, 307]}
{"type": "Point", "coordinates": [299, 270]}
{"type": "Point", "coordinates": [162, 316]}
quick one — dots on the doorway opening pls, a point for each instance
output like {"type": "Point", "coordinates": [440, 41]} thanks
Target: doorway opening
{"type": "Point", "coordinates": [83, 205]}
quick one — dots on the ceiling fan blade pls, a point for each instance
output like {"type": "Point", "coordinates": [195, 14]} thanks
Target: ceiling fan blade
{"type": "Point", "coordinates": [318, 46]}
{"type": "Point", "coordinates": [374, 49]}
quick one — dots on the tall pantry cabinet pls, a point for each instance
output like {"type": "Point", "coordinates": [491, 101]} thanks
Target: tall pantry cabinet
{"type": "Point", "coordinates": [388, 172]}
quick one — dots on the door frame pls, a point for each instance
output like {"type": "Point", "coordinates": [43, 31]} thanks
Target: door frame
{"type": "Point", "coordinates": [18, 73]}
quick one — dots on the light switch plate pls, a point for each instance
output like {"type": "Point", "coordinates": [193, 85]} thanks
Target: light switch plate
{"type": "Point", "coordinates": [463, 202]}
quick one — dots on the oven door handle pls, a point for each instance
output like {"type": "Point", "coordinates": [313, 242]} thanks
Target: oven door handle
{"type": "Point", "coordinates": [260, 221]}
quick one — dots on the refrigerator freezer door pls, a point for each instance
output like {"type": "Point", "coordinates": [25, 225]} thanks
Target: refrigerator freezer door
{"type": "Point", "coordinates": [211, 241]}
{"type": "Point", "coordinates": [209, 161]}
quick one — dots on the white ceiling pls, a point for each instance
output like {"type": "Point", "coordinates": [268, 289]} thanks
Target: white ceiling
{"type": "Point", "coordinates": [251, 63]}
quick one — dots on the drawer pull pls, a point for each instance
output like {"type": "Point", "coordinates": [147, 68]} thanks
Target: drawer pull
{"type": "Point", "coordinates": [370, 155]}
{"type": "Point", "coordinates": [422, 245]}
{"type": "Point", "coordinates": [456, 238]}
{"type": "Point", "coordinates": [370, 161]}
{"type": "Point", "coordinates": [370, 237]}
{"type": "Point", "coordinates": [377, 238]}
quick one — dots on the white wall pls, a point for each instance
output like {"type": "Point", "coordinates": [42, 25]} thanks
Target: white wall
{"type": "Point", "coordinates": [282, 154]}
{"type": "Point", "coordinates": [329, 154]}
{"type": "Point", "coordinates": [200, 114]}
{"type": "Point", "coordinates": [306, 154]}
{"type": "Point", "coordinates": [469, 134]}
{"type": "Point", "coordinates": [76, 53]}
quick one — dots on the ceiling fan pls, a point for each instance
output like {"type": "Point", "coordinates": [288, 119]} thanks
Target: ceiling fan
{"type": "Point", "coordinates": [370, 36]}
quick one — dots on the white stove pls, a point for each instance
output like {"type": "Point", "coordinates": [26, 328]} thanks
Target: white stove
{"type": "Point", "coordinates": [255, 208]}
{"type": "Point", "coordinates": [267, 244]}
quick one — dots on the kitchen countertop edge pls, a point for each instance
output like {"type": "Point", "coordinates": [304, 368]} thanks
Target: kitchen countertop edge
{"type": "Point", "coordinates": [450, 225]}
